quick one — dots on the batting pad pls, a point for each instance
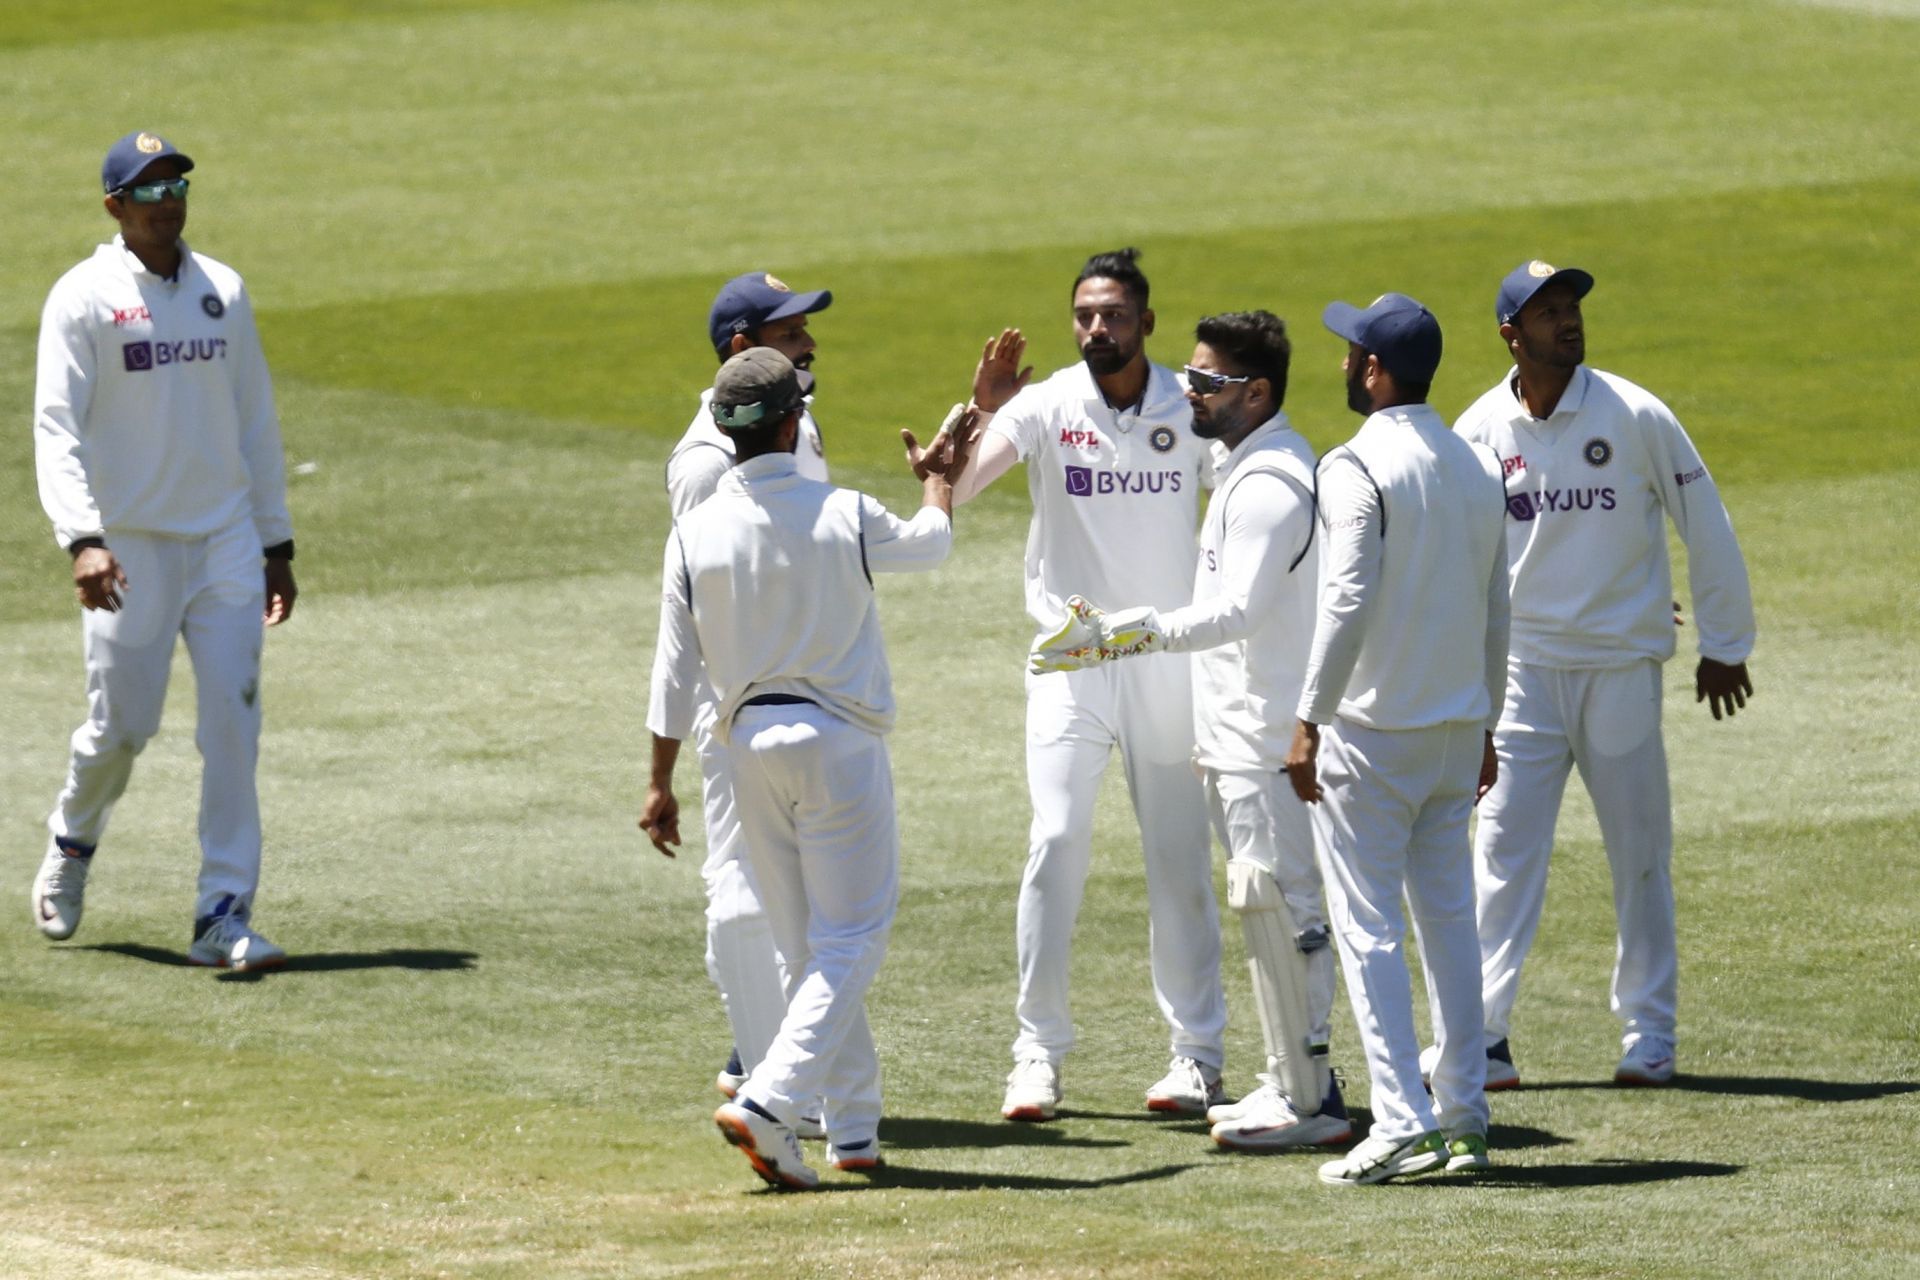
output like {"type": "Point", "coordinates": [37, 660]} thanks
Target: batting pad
{"type": "Point", "coordinates": [1279, 980]}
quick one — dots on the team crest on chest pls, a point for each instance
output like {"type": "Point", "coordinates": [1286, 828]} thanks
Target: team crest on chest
{"type": "Point", "coordinates": [1161, 438]}
{"type": "Point", "coordinates": [211, 304]}
{"type": "Point", "coordinates": [1597, 452]}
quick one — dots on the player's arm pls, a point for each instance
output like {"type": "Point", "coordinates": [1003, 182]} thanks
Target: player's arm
{"type": "Point", "coordinates": [893, 545]}
{"type": "Point", "coordinates": [265, 455]}
{"type": "Point", "coordinates": [693, 474]}
{"type": "Point", "coordinates": [1716, 570]}
{"type": "Point", "coordinates": [671, 696]}
{"type": "Point", "coordinates": [997, 380]}
{"type": "Point", "coordinates": [63, 388]}
{"type": "Point", "coordinates": [1351, 535]}
{"type": "Point", "coordinates": [1499, 628]}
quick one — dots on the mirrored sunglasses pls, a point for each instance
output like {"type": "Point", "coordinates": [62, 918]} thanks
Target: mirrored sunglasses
{"type": "Point", "coordinates": [1204, 382]}
{"type": "Point", "coordinates": [155, 192]}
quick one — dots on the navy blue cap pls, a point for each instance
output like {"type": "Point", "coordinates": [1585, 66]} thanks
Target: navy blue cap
{"type": "Point", "coordinates": [749, 301]}
{"type": "Point", "coordinates": [1399, 330]}
{"type": "Point", "coordinates": [127, 157]}
{"type": "Point", "coordinates": [1530, 278]}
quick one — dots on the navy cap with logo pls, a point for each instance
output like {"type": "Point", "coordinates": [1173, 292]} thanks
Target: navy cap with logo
{"type": "Point", "coordinates": [1530, 278]}
{"type": "Point", "coordinates": [756, 387]}
{"type": "Point", "coordinates": [127, 157]}
{"type": "Point", "coordinates": [1399, 330]}
{"type": "Point", "coordinates": [756, 298]}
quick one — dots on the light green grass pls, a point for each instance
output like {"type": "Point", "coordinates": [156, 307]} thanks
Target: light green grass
{"type": "Point", "coordinates": [483, 238]}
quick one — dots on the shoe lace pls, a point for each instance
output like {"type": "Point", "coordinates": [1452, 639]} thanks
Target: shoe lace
{"type": "Point", "coordinates": [1031, 1073]}
{"type": "Point", "coordinates": [69, 875]}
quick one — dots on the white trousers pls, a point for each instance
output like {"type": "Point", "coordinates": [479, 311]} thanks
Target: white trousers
{"type": "Point", "coordinates": [211, 591]}
{"type": "Point", "coordinates": [1074, 720]}
{"type": "Point", "coordinates": [815, 796]}
{"type": "Point", "coordinates": [1260, 820]}
{"type": "Point", "coordinates": [1393, 818]}
{"type": "Point", "coordinates": [741, 957]}
{"type": "Point", "coordinates": [1607, 723]}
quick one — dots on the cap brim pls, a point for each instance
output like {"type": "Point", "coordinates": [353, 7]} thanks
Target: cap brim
{"type": "Point", "coordinates": [1343, 319]}
{"type": "Point", "coordinates": [802, 304]}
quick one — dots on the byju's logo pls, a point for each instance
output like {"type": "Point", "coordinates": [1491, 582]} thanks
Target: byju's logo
{"type": "Point", "coordinates": [1520, 506]}
{"type": "Point", "coordinates": [1079, 481]}
{"type": "Point", "coordinates": [138, 355]}
{"type": "Point", "coordinates": [142, 356]}
{"type": "Point", "coordinates": [1085, 482]}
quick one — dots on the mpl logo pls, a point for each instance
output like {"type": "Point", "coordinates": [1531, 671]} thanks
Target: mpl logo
{"type": "Point", "coordinates": [124, 316]}
{"type": "Point", "coordinates": [1086, 441]}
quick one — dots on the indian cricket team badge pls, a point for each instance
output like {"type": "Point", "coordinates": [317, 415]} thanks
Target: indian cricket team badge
{"type": "Point", "coordinates": [1539, 270]}
{"type": "Point", "coordinates": [1597, 452]}
{"type": "Point", "coordinates": [775, 283]}
{"type": "Point", "coordinates": [211, 304]}
{"type": "Point", "coordinates": [1161, 438]}
{"type": "Point", "coordinates": [146, 144]}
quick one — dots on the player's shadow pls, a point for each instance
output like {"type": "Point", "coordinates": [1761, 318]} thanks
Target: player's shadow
{"type": "Point", "coordinates": [918, 1133]}
{"type": "Point", "coordinates": [1596, 1173]}
{"type": "Point", "coordinates": [895, 1177]}
{"type": "Point", "coordinates": [1756, 1087]}
{"type": "Point", "coordinates": [417, 958]}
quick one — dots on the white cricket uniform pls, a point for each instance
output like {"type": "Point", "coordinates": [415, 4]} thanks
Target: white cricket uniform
{"type": "Point", "coordinates": [155, 429]}
{"type": "Point", "coordinates": [1588, 491]}
{"type": "Point", "coordinates": [1115, 502]}
{"type": "Point", "coordinates": [1408, 654]}
{"type": "Point", "coordinates": [1248, 628]}
{"type": "Point", "coordinates": [741, 958]}
{"type": "Point", "coordinates": [767, 584]}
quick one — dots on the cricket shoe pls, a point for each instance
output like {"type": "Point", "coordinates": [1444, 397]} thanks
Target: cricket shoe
{"type": "Point", "coordinates": [1033, 1090]}
{"type": "Point", "coordinates": [768, 1145]}
{"type": "Point", "coordinates": [59, 890]}
{"type": "Point", "coordinates": [1272, 1123]}
{"type": "Point", "coordinates": [1501, 1073]}
{"type": "Point", "coordinates": [1265, 1095]}
{"type": "Point", "coordinates": [223, 940]}
{"type": "Point", "coordinates": [1467, 1152]}
{"type": "Point", "coordinates": [860, 1157]}
{"type": "Point", "coordinates": [1647, 1061]}
{"type": "Point", "coordinates": [1189, 1088]}
{"type": "Point", "coordinates": [1379, 1159]}
{"type": "Point", "coordinates": [731, 1076]}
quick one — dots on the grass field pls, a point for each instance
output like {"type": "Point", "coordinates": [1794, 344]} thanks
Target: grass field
{"type": "Point", "coordinates": [482, 238]}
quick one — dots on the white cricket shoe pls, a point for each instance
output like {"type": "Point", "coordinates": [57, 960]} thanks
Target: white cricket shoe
{"type": "Point", "coordinates": [1647, 1061]}
{"type": "Point", "coordinates": [59, 891]}
{"type": "Point", "coordinates": [1033, 1090]}
{"type": "Point", "coordinates": [810, 1129]}
{"type": "Point", "coordinates": [1272, 1122]}
{"type": "Point", "coordinates": [856, 1159]}
{"type": "Point", "coordinates": [225, 941]}
{"type": "Point", "coordinates": [1189, 1088]}
{"type": "Point", "coordinates": [731, 1076]}
{"type": "Point", "coordinates": [1501, 1073]}
{"type": "Point", "coordinates": [768, 1145]}
{"type": "Point", "coordinates": [1378, 1159]}
{"type": "Point", "coordinates": [1268, 1092]}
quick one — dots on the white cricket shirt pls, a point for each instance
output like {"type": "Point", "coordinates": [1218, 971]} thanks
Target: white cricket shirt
{"type": "Point", "coordinates": [1254, 589]}
{"type": "Point", "coordinates": [1411, 630]}
{"type": "Point", "coordinates": [768, 584]}
{"type": "Point", "coordinates": [152, 409]}
{"type": "Point", "coordinates": [1586, 492]}
{"type": "Point", "coordinates": [705, 453]}
{"type": "Point", "coordinates": [1115, 494]}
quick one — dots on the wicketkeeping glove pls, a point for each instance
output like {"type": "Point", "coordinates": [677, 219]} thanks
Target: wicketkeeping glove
{"type": "Point", "coordinates": [1089, 635]}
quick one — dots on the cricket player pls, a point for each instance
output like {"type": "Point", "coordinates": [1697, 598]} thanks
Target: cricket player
{"type": "Point", "coordinates": [751, 310]}
{"type": "Point", "coordinates": [1393, 742]}
{"type": "Point", "coordinates": [1114, 470]}
{"type": "Point", "coordinates": [1247, 630]}
{"type": "Point", "coordinates": [767, 590]}
{"type": "Point", "coordinates": [159, 460]}
{"type": "Point", "coordinates": [1595, 466]}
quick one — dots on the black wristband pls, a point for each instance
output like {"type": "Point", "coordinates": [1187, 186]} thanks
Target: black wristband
{"type": "Point", "coordinates": [78, 545]}
{"type": "Point", "coordinates": [279, 550]}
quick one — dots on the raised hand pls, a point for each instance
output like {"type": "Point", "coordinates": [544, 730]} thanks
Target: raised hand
{"type": "Point", "coordinates": [999, 375]}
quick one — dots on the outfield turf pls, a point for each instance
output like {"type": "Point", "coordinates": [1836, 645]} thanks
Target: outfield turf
{"type": "Point", "coordinates": [482, 238]}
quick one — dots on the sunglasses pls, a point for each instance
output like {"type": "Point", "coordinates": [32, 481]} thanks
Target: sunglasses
{"type": "Point", "coordinates": [155, 192]}
{"type": "Point", "coordinates": [1202, 382]}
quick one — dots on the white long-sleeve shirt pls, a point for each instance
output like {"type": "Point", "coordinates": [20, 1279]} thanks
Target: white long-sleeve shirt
{"type": "Point", "coordinates": [1254, 589]}
{"type": "Point", "coordinates": [1116, 495]}
{"type": "Point", "coordinates": [1412, 624]}
{"type": "Point", "coordinates": [705, 453]}
{"type": "Point", "coordinates": [1587, 489]}
{"type": "Point", "coordinates": [153, 412]}
{"type": "Point", "coordinates": [768, 584]}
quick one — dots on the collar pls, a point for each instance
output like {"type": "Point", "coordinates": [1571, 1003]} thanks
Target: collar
{"type": "Point", "coordinates": [1570, 400]}
{"type": "Point", "coordinates": [1259, 435]}
{"type": "Point", "coordinates": [1163, 386]}
{"type": "Point", "coordinates": [1407, 415]}
{"type": "Point", "coordinates": [139, 268]}
{"type": "Point", "coordinates": [765, 468]}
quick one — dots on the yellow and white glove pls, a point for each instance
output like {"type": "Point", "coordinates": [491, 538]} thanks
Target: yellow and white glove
{"type": "Point", "coordinates": [1089, 635]}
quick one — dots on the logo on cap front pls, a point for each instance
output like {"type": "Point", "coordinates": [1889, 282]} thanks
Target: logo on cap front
{"type": "Point", "coordinates": [775, 283]}
{"type": "Point", "coordinates": [1540, 270]}
{"type": "Point", "coordinates": [147, 144]}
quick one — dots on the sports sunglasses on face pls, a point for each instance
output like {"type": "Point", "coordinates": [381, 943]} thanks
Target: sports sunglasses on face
{"type": "Point", "coordinates": [1203, 382]}
{"type": "Point", "coordinates": [155, 192]}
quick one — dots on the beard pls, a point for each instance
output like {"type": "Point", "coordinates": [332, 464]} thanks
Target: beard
{"type": "Point", "coordinates": [1105, 358]}
{"type": "Point", "coordinates": [1217, 424]}
{"type": "Point", "coordinates": [1358, 399]}
{"type": "Point", "coordinates": [1556, 356]}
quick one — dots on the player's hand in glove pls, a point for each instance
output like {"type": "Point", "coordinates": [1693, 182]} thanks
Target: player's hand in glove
{"type": "Point", "coordinates": [1723, 686]}
{"type": "Point", "coordinates": [1089, 635]}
